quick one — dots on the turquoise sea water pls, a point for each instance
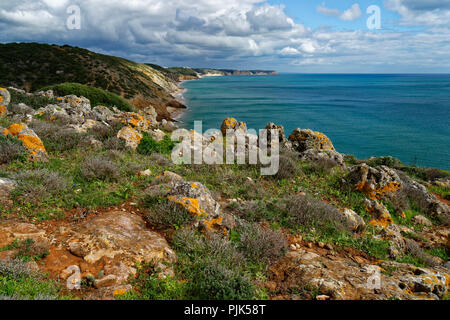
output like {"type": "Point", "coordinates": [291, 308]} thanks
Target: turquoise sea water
{"type": "Point", "coordinates": [405, 116]}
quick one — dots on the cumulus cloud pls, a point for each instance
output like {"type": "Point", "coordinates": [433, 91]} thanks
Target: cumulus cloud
{"type": "Point", "coordinates": [230, 34]}
{"type": "Point", "coordinates": [350, 14]}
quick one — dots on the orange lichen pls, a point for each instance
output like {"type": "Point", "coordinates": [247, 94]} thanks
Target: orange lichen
{"type": "Point", "coordinates": [1, 99]}
{"type": "Point", "coordinates": [210, 224]}
{"type": "Point", "coordinates": [32, 143]}
{"type": "Point", "coordinates": [2, 109]}
{"type": "Point", "coordinates": [14, 129]}
{"type": "Point", "coordinates": [380, 220]}
{"type": "Point", "coordinates": [377, 193]}
{"type": "Point", "coordinates": [119, 292]}
{"type": "Point", "coordinates": [192, 205]}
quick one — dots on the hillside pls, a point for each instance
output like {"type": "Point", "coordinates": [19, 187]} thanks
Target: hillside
{"type": "Point", "coordinates": [32, 66]}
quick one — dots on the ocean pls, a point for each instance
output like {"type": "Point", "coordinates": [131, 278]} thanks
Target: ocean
{"type": "Point", "coordinates": [404, 116]}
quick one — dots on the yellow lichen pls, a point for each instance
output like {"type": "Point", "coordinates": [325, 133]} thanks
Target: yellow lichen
{"type": "Point", "coordinates": [377, 193]}
{"type": "Point", "coordinates": [119, 292]}
{"type": "Point", "coordinates": [210, 224]}
{"type": "Point", "coordinates": [192, 205]}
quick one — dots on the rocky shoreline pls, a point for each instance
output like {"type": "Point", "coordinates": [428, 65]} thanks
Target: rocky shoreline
{"type": "Point", "coordinates": [90, 196]}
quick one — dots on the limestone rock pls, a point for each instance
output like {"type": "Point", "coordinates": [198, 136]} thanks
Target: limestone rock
{"type": "Point", "coordinates": [131, 137]}
{"type": "Point", "coordinates": [304, 139]}
{"type": "Point", "coordinates": [102, 113]}
{"type": "Point", "coordinates": [168, 177]}
{"type": "Point", "coordinates": [316, 155]}
{"type": "Point", "coordinates": [29, 139]}
{"type": "Point", "coordinates": [157, 135]}
{"type": "Point", "coordinates": [118, 234]}
{"type": "Point", "coordinates": [375, 182]}
{"type": "Point", "coordinates": [422, 221]}
{"type": "Point", "coordinates": [353, 221]}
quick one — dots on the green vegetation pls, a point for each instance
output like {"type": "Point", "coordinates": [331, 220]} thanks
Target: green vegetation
{"type": "Point", "coordinates": [148, 145]}
{"type": "Point", "coordinates": [95, 95]}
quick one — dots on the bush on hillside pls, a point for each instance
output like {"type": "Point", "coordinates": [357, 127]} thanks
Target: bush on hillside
{"type": "Point", "coordinates": [148, 145]}
{"type": "Point", "coordinates": [95, 95]}
{"type": "Point", "coordinates": [11, 149]}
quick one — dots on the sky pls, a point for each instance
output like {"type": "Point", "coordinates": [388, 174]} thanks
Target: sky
{"type": "Point", "coordinates": [304, 36]}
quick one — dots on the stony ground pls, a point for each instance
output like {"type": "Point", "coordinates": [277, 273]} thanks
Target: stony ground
{"type": "Point", "coordinates": [93, 208]}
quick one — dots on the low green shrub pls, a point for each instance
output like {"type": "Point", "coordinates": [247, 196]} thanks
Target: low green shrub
{"type": "Point", "coordinates": [95, 95]}
{"type": "Point", "coordinates": [149, 146]}
{"type": "Point", "coordinates": [11, 149]}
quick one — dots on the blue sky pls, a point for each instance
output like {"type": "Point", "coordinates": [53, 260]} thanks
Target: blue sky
{"type": "Point", "coordinates": [287, 35]}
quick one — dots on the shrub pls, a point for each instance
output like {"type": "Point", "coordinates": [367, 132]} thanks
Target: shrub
{"type": "Point", "coordinates": [387, 161]}
{"type": "Point", "coordinates": [166, 214]}
{"type": "Point", "coordinates": [39, 185]}
{"type": "Point", "coordinates": [148, 145]}
{"type": "Point", "coordinates": [160, 159]}
{"type": "Point", "coordinates": [288, 168]}
{"type": "Point", "coordinates": [213, 266]}
{"type": "Point", "coordinates": [114, 143]}
{"type": "Point", "coordinates": [55, 137]}
{"type": "Point", "coordinates": [305, 211]}
{"type": "Point", "coordinates": [11, 149]}
{"type": "Point", "coordinates": [95, 95]}
{"type": "Point", "coordinates": [99, 169]}
{"type": "Point", "coordinates": [19, 282]}
{"type": "Point", "coordinates": [215, 281]}
{"type": "Point", "coordinates": [260, 244]}
{"type": "Point", "coordinates": [33, 101]}
{"type": "Point", "coordinates": [323, 165]}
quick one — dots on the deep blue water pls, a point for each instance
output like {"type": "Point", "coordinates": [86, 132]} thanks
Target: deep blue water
{"type": "Point", "coordinates": [405, 116]}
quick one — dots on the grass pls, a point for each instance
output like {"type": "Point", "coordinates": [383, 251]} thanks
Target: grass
{"type": "Point", "coordinates": [149, 146]}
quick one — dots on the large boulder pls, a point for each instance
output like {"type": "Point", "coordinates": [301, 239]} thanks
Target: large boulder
{"type": "Point", "coordinates": [352, 220]}
{"type": "Point", "coordinates": [375, 182]}
{"type": "Point", "coordinates": [304, 139]}
{"type": "Point", "coordinates": [5, 98]}
{"type": "Point", "coordinates": [29, 139]}
{"type": "Point", "coordinates": [118, 235]}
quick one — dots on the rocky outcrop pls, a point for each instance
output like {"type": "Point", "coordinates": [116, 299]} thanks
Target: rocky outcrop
{"type": "Point", "coordinates": [29, 139]}
{"type": "Point", "coordinates": [231, 125]}
{"type": "Point", "coordinates": [375, 182]}
{"type": "Point", "coordinates": [304, 139]}
{"type": "Point", "coordinates": [131, 136]}
{"type": "Point", "coordinates": [331, 157]}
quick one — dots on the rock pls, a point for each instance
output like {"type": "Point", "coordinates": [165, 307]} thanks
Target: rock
{"type": "Point", "coordinates": [375, 182]}
{"type": "Point", "coordinates": [29, 139]}
{"type": "Point", "coordinates": [150, 114]}
{"type": "Point", "coordinates": [397, 245]}
{"type": "Point", "coordinates": [118, 235]}
{"type": "Point", "coordinates": [427, 202]}
{"type": "Point", "coordinates": [47, 94]}
{"type": "Point", "coordinates": [135, 121]}
{"type": "Point", "coordinates": [233, 126]}
{"type": "Point", "coordinates": [145, 173]}
{"type": "Point", "coordinates": [5, 98]}
{"type": "Point", "coordinates": [157, 135]}
{"type": "Point", "coordinates": [131, 137]}
{"type": "Point", "coordinates": [106, 281]}
{"type": "Point", "coordinates": [317, 155]}
{"type": "Point", "coordinates": [352, 220]}
{"type": "Point", "coordinates": [102, 113]}
{"type": "Point", "coordinates": [380, 214]}
{"type": "Point", "coordinates": [198, 201]}
{"type": "Point", "coordinates": [22, 109]}
{"type": "Point", "coordinates": [447, 265]}
{"type": "Point", "coordinates": [322, 297]}
{"type": "Point", "coordinates": [422, 221]}
{"type": "Point", "coordinates": [168, 125]}
{"type": "Point", "coordinates": [304, 139]}
{"type": "Point", "coordinates": [283, 141]}
{"type": "Point", "coordinates": [6, 187]}
{"type": "Point", "coordinates": [53, 112]}
{"type": "Point", "coordinates": [168, 177]}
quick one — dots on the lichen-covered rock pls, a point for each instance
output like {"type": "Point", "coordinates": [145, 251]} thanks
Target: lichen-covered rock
{"type": "Point", "coordinates": [168, 125]}
{"type": "Point", "coordinates": [283, 141]}
{"type": "Point", "coordinates": [233, 126]}
{"type": "Point", "coordinates": [421, 220]}
{"type": "Point", "coordinates": [150, 114]}
{"type": "Point", "coordinates": [157, 135]}
{"type": "Point", "coordinates": [375, 182]}
{"type": "Point", "coordinates": [380, 214]}
{"type": "Point", "coordinates": [397, 244]}
{"type": "Point", "coordinates": [304, 139]}
{"type": "Point", "coordinates": [5, 98]}
{"type": "Point", "coordinates": [131, 137]}
{"type": "Point", "coordinates": [168, 177]}
{"type": "Point", "coordinates": [136, 121]}
{"type": "Point", "coordinates": [198, 201]}
{"type": "Point", "coordinates": [317, 155]}
{"type": "Point", "coordinates": [29, 139]}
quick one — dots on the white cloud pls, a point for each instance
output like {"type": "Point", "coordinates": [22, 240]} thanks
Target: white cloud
{"type": "Point", "coordinates": [350, 14]}
{"type": "Point", "coordinates": [421, 12]}
{"type": "Point", "coordinates": [289, 51]}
